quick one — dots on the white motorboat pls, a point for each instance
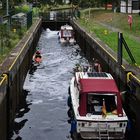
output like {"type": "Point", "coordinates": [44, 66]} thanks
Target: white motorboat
{"type": "Point", "coordinates": [66, 35]}
{"type": "Point", "coordinates": [96, 106]}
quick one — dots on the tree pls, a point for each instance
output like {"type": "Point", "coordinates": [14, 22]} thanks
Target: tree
{"type": "Point", "coordinates": [91, 3]}
{"type": "Point", "coordinates": [59, 1]}
{"type": "Point", "coordinates": [85, 4]}
{"type": "Point", "coordinates": [75, 2]}
{"type": "Point", "coordinates": [116, 4]}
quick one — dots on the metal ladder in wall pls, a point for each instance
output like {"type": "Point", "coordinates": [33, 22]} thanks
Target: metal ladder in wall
{"type": "Point", "coordinates": [103, 131]}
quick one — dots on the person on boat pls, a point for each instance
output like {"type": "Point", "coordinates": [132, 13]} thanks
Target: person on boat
{"type": "Point", "coordinates": [91, 108]}
{"type": "Point", "coordinates": [59, 35]}
{"type": "Point", "coordinates": [37, 57]}
{"type": "Point", "coordinates": [97, 66]}
{"type": "Point", "coordinates": [38, 53]}
{"type": "Point", "coordinates": [113, 110]}
{"type": "Point", "coordinates": [90, 68]}
{"type": "Point", "coordinates": [104, 112]}
{"type": "Point", "coordinates": [77, 68]}
{"type": "Point", "coordinates": [85, 68]}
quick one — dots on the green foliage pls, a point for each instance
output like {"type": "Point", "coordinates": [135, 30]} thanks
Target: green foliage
{"type": "Point", "coordinates": [5, 43]}
{"type": "Point", "coordinates": [91, 3]}
{"type": "Point", "coordinates": [9, 39]}
{"type": "Point", "coordinates": [96, 25]}
{"type": "Point", "coordinates": [59, 2]}
{"type": "Point", "coordinates": [23, 8]}
{"type": "Point", "coordinates": [4, 37]}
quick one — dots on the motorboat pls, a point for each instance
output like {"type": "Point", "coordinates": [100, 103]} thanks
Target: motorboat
{"type": "Point", "coordinates": [95, 106]}
{"type": "Point", "coordinates": [66, 35]}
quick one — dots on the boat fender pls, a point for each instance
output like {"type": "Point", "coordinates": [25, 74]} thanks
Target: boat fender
{"type": "Point", "coordinates": [70, 113]}
{"type": "Point", "coordinates": [73, 126]}
{"type": "Point", "coordinates": [69, 90]}
{"type": "Point", "coordinates": [129, 125]}
{"type": "Point", "coordinates": [69, 102]}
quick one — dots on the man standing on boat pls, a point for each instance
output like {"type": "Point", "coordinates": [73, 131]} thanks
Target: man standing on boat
{"type": "Point", "coordinates": [97, 66]}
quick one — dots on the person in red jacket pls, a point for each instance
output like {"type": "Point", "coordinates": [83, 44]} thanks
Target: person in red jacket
{"type": "Point", "coordinates": [37, 57]}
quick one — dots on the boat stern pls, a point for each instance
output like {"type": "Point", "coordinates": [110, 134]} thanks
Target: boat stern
{"type": "Point", "coordinates": [101, 130]}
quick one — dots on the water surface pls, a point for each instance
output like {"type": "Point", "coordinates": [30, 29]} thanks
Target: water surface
{"type": "Point", "coordinates": [43, 115]}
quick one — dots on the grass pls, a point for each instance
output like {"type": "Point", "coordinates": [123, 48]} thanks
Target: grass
{"type": "Point", "coordinates": [105, 25]}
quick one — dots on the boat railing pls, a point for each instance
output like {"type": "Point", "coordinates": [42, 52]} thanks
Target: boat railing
{"type": "Point", "coordinates": [82, 68]}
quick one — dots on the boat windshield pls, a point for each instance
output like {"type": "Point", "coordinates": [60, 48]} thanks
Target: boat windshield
{"type": "Point", "coordinates": [95, 103]}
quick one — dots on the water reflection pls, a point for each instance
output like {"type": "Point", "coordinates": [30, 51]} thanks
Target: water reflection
{"type": "Point", "coordinates": [18, 122]}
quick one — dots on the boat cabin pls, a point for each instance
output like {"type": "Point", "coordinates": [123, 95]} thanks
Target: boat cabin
{"type": "Point", "coordinates": [66, 31]}
{"type": "Point", "coordinates": [66, 35]}
{"type": "Point", "coordinates": [94, 88]}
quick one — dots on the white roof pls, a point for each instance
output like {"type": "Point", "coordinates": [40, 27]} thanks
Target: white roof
{"type": "Point", "coordinates": [93, 75]}
{"type": "Point", "coordinates": [68, 27]}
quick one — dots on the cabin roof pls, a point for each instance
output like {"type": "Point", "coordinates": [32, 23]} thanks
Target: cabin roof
{"type": "Point", "coordinates": [98, 85]}
{"type": "Point", "coordinates": [67, 27]}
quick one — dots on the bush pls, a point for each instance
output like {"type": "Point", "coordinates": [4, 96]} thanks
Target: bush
{"type": "Point", "coordinates": [24, 8]}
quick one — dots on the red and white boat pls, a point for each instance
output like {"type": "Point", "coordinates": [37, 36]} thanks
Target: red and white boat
{"type": "Point", "coordinates": [96, 106]}
{"type": "Point", "coordinates": [66, 35]}
{"type": "Point", "coordinates": [37, 58]}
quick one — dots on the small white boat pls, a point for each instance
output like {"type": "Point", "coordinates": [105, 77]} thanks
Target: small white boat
{"type": "Point", "coordinates": [66, 35]}
{"type": "Point", "coordinates": [96, 110]}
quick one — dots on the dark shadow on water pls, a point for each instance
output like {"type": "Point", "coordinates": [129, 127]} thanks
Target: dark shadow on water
{"type": "Point", "coordinates": [32, 69]}
{"type": "Point", "coordinates": [23, 108]}
{"type": "Point", "coordinates": [19, 125]}
{"type": "Point", "coordinates": [18, 138]}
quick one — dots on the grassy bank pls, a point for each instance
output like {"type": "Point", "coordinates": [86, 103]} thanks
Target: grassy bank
{"type": "Point", "coordinates": [106, 26]}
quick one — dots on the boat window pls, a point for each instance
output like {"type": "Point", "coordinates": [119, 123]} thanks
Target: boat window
{"type": "Point", "coordinates": [95, 103]}
{"type": "Point", "coordinates": [66, 33]}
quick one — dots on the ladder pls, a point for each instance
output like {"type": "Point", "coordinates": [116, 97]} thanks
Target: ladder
{"type": "Point", "coordinates": [103, 131]}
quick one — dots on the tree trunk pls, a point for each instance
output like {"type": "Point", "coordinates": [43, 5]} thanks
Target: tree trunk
{"type": "Point", "coordinates": [105, 4]}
